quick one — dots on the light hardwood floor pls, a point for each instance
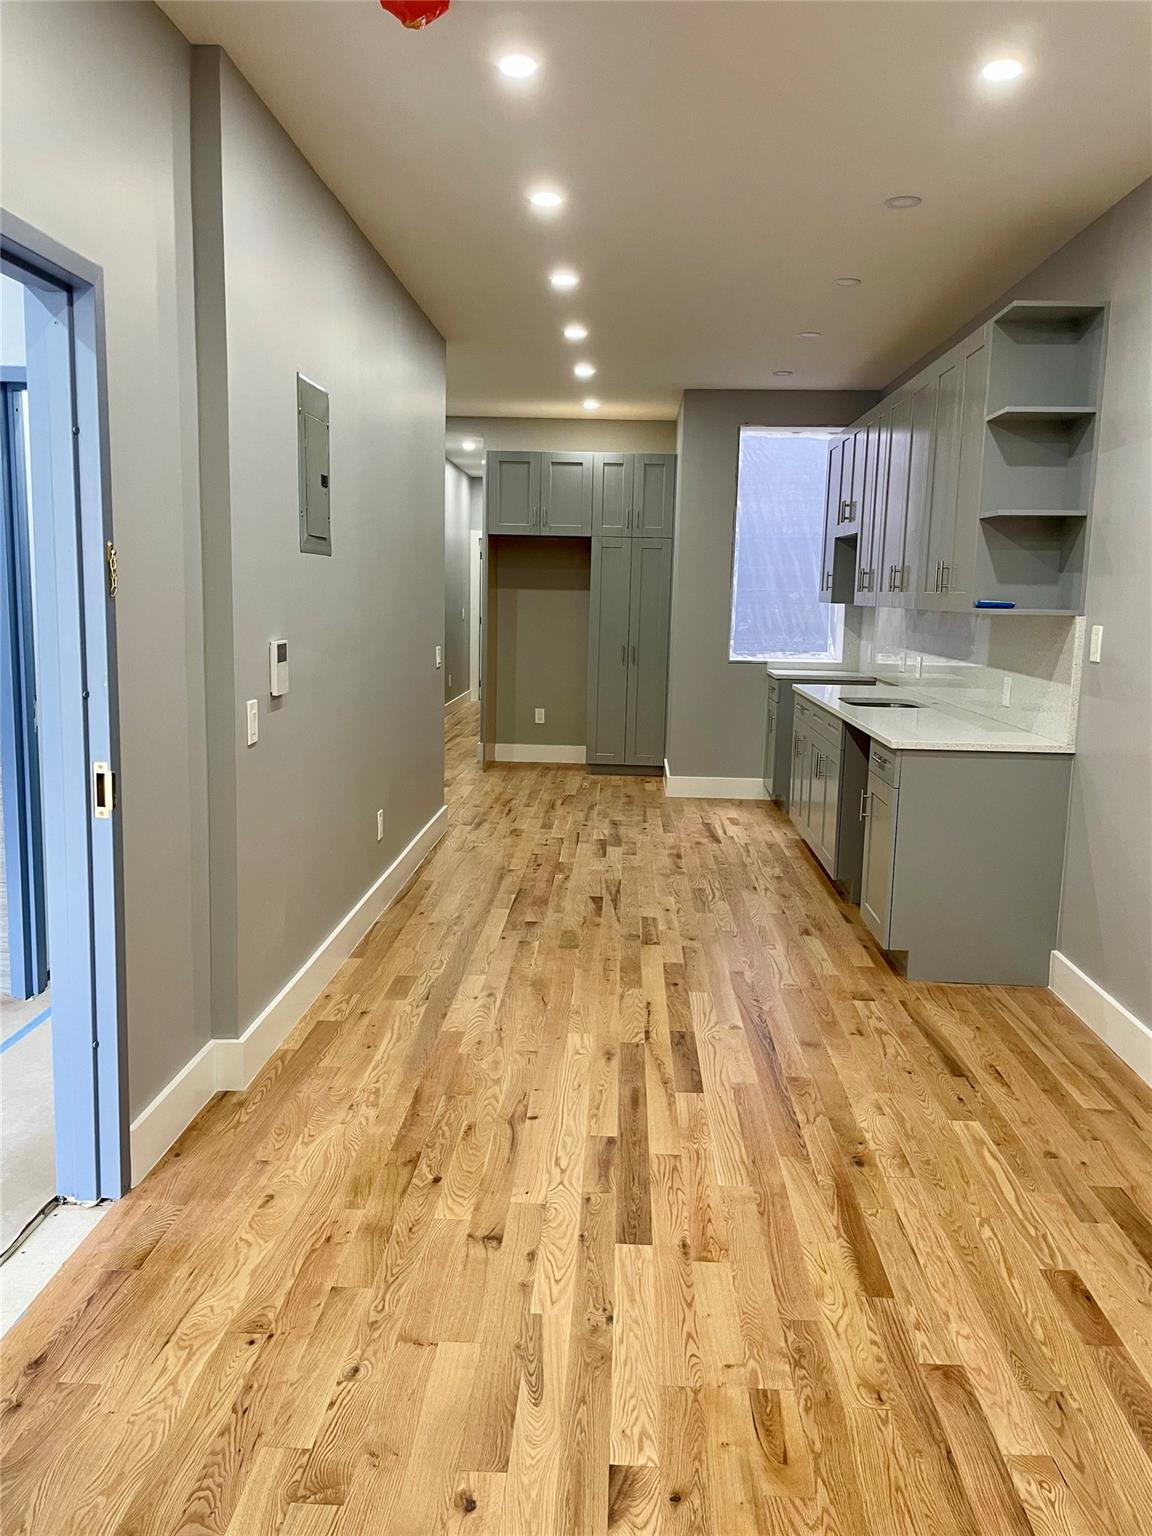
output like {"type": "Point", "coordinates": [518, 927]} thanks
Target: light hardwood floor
{"type": "Point", "coordinates": [616, 1185]}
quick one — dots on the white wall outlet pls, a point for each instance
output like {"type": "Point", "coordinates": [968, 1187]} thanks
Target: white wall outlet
{"type": "Point", "coordinates": [539, 717]}
{"type": "Point", "coordinates": [253, 712]}
{"type": "Point", "coordinates": [462, 615]}
{"type": "Point", "coordinates": [449, 679]}
{"type": "Point", "coordinates": [1006, 692]}
{"type": "Point", "coordinates": [439, 657]}
{"type": "Point", "coordinates": [379, 826]}
{"type": "Point", "coordinates": [1095, 642]}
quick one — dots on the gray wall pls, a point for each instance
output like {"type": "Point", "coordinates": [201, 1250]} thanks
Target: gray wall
{"type": "Point", "coordinates": [538, 622]}
{"type": "Point", "coordinates": [457, 519]}
{"type": "Point", "coordinates": [362, 727]}
{"type": "Point", "coordinates": [715, 706]}
{"type": "Point", "coordinates": [95, 135]}
{"type": "Point", "coordinates": [1106, 915]}
{"type": "Point", "coordinates": [589, 432]}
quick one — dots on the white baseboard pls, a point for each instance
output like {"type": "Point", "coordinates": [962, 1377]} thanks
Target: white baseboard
{"type": "Point", "coordinates": [525, 752]}
{"type": "Point", "coordinates": [461, 698]}
{"type": "Point", "coordinates": [685, 786]}
{"type": "Point", "coordinates": [232, 1064]}
{"type": "Point", "coordinates": [174, 1107]}
{"type": "Point", "coordinates": [1127, 1035]}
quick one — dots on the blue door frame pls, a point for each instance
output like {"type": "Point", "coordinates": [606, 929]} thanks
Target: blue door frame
{"type": "Point", "coordinates": [77, 705]}
{"type": "Point", "coordinates": [19, 748]}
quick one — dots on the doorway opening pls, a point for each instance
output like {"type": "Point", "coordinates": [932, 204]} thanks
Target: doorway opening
{"type": "Point", "coordinates": [63, 1131]}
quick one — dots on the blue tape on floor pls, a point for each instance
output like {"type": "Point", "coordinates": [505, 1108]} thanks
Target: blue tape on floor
{"type": "Point", "coordinates": [25, 1029]}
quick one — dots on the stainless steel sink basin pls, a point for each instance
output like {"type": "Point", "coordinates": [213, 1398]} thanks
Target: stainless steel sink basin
{"type": "Point", "coordinates": [882, 703]}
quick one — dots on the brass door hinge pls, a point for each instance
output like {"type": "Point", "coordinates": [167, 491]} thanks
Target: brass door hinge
{"type": "Point", "coordinates": [113, 571]}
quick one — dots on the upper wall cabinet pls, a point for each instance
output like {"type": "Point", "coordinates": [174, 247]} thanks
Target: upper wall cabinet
{"type": "Point", "coordinates": [512, 492]}
{"type": "Point", "coordinates": [653, 495]}
{"type": "Point", "coordinates": [634, 494]}
{"type": "Point", "coordinates": [575, 494]}
{"type": "Point", "coordinates": [971, 487]}
{"type": "Point", "coordinates": [566, 494]}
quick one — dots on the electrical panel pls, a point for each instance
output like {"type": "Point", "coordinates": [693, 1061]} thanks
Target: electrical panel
{"type": "Point", "coordinates": [312, 457]}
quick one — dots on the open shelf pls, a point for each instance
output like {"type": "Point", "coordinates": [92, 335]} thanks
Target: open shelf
{"type": "Point", "coordinates": [1033, 512]}
{"type": "Point", "coordinates": [1011, 413]}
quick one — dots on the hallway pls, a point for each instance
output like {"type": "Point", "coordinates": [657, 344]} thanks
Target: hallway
{"type": "Point", "coordinates": [616, 1185]}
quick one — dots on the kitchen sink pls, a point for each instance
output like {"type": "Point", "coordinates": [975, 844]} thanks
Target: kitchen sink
{"type": "Point", "coordinates": [882, 703]}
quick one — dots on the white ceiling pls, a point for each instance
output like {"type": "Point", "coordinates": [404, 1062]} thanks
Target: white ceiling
{"type": "Point", "coordinates": [724, 162]}
{"type": "Point", "coordinates": [470, 460]}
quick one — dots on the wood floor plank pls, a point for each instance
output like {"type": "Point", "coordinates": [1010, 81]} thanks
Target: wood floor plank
{"type": "Point", "coordinates": [616, 1186]}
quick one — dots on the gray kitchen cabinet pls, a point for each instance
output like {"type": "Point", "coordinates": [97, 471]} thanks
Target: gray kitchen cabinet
{"type": "Point", "coordinates": [628, 630]}
{"type": "Point", "coordinates": [650, 602]}
{"type": "Point", "coordinates": [612, 492]}
{"type": "Point", "coordinates": [512, 492]}
{"type": "Point", "coordinates": [891, 574]}
{"type": "Point", "coordinates": [871, 520]}
{"type": "Point", "coordinates": [954, 496]}
{"type": "Point", "coordinates": [960, 870]}
{"type": "Point", "coordinates": [973, 485]}
{"type": "Point", "coordinates": [608, 639]}
{"type": "Point", "coordinates": [566, 494]}
{"type": "Point", "coordinates": [653, 495]}
{"type": "Point", "coordinates": [771, 741]}
{"type": "Point", "coordinates": [879, 815]}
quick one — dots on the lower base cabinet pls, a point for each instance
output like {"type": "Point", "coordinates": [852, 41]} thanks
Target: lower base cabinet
{"type": "Point", "coordinates": [628, 625]}
{"type": "Point", "coordinates": [962, 861]}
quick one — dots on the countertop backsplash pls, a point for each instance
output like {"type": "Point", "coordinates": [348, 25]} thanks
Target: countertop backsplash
{"type": "Point", "coordinates": [965, 659]}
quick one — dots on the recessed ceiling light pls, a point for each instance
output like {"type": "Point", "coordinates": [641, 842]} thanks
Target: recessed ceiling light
{"type": "Point", "coordinates": [575, 331]}
{"type": "Point", "coordinates": [583, 370]}
{"type": "Point", "coordinates": [546, 199]}
{"type": "Point", "coordinates": [847, 282]}
{"type": "Point", "coordinates": [517, 66]}
{"type": "Point", "coordinates": [563, 278]}
{"type": "Point", "coordinates": [468, 445]}
{"type": "Point", "coordinates": [591, 405]}
{"type": "Point", "coordinates": [810, 335]}
{"type": "Point", "coordinates": [903, 200]}
{"type": "Point", "coordinates": [781, 373]}
{"type": "Point", "coordinates": [1003, 69]}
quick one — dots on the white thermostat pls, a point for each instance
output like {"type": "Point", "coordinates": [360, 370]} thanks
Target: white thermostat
{"type": "Point", "coordinates": [277, 668]}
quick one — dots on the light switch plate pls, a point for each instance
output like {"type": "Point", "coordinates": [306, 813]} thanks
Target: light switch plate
{"type": "Point", "coordinates": [379, 826]}
{"type": "Point", "coordinates": [253, 712]}
{"type": "Point", "coordinates": [439, 657]}
{"type": "Point", "coordinates": [1006, 692]}
{"type": "Point", "coordinates": [539, 717]}
{"type": "Point", "coordinates": [1095, 642]}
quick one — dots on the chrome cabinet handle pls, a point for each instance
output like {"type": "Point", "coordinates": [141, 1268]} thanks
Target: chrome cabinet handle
{"type": "Point", "coordinates": [945, 576]}
{"type": "Point", "coordinates": [864, 799]}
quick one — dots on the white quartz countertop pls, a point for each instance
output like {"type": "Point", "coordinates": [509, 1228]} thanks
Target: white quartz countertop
{"type": "Point", "coordinates": [816, 674]}
{"type": "Point", "coordinates": [932, 727]}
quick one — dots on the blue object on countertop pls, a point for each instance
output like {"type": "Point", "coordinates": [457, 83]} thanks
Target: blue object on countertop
{"type": "Point", "coordinates": [988, 602]}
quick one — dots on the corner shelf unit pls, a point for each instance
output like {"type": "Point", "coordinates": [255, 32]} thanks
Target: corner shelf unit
{"type": "Point", "coordinates": [1039, 455]}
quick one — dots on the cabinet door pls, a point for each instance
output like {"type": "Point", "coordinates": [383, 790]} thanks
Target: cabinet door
{"type": "Point", "coordinates": [769, 775]}
{"type": "Point", "coordinates": [612, 493]}
{"type": "Point", "coordinates": [879, 859]}
{"type": "Point", "coordinates": [512, 492]}
{"type": "Point", "coordinates": [923, 441]}
{"type": "Point", "coordinates": [830, 825]}
{"type": "Point", "coordinates": [832, 512]}
{"type": "Point", "coordinates": [871, 518]}
{"type": "Point", "coordinates": [649, 604]}
{"type": "Point", "coordinates": [797, 789]}
{"type": "Point", "coordinates": [942, 486]}
{"type": "Point", "coordinates": [608, 615]}
{"type": "Point", "coordinates": [653, 494]}
{"type": "Point", "coordinates": [852, 494]}
{"type": "Point", "coordinates": [566, 494]}
{"type": "Point", "coordinates": [960, 560]}
{"type": "Point", "coordinates": [890, 579]}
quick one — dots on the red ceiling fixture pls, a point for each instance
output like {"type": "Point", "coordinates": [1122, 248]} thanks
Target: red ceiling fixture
{"type": "Point", "coordinates": [415, 13]}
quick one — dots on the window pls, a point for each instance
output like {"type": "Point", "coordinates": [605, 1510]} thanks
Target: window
{"type": "Point", "coordinates": [777, 558]}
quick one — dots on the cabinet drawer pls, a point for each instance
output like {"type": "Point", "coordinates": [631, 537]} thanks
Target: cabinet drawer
{"type": "Point", "coordinates": [826, 726]}
{"type": "Point", "coordinates": [773, 689]}
{"type": "Point", "coordinates": [885, 764]}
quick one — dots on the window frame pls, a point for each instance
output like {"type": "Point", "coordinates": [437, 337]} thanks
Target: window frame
{"type": "Point", "coordinates": [830, 433]}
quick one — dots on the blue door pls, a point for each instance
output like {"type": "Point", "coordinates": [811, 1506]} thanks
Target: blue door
{"type": "Point", "coordinates": [19, 748]}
